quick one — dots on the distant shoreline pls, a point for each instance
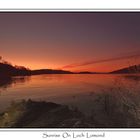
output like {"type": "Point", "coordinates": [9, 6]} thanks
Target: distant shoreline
{"type": "Point", "coordinates": [8, 70]}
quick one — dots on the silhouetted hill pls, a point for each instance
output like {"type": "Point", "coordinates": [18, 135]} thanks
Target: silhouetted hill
{"type": "Point", "coordinates": [84, 72]}
{"type": "Point", "coordinates": [127, 70]}
{"type": "Point", "coordinates": [9, 70]}
{"type": "Point", "coordinates": [87, 72]}
{"type": "Point", "coordinates": [49, 71]}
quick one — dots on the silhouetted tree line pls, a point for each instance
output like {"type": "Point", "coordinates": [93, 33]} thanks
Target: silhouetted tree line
{"type": "Point", "coordinates": [7, 69]}
{"type": "Point", "coordinates": [130, 69]}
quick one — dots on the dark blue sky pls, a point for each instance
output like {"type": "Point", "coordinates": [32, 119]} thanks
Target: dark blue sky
{"type": "Point", "coordinates": [53, 40]}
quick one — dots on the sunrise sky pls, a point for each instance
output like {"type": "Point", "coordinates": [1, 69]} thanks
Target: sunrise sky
{"type": "Point", "coordinates": [71, 41]}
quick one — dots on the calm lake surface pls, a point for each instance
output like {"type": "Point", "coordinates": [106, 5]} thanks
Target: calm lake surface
{"type": "Point", "coordinates": [74, 90]}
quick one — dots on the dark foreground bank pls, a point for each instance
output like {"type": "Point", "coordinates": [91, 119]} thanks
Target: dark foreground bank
{"type": "Point", "coordinates": [32, 114]}
{"type": "Point", "coordinates": [117, 110]}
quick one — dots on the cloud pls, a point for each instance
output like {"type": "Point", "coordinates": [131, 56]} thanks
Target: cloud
{"type": "Point", "coordinates": [101, 61]}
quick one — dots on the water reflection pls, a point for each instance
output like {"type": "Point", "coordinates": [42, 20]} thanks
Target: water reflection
{"type": "Point", "coordinates": [134, 77]}
{"type": "Point", "coordinates": [73, 90]}
{"type": "Point", "coordinates": [7, 82]}
{"type": "Point", "coordinates": [99, 98]}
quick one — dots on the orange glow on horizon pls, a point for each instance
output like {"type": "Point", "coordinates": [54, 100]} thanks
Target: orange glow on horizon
{"type": "Point", "coordinates": [104, 67]}
{"type": "Point", "coordinates": [54, 55]}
